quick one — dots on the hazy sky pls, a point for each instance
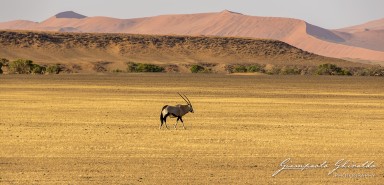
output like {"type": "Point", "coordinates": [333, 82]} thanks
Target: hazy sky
{"type": "Point", "coordinates": [324, 13]}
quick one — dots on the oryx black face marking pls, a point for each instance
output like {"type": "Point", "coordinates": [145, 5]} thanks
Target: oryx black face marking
{"type": "Point", "coordinates": [175, 111]}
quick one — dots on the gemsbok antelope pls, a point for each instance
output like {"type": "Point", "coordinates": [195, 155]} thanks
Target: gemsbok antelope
{"type": "Point", "coordinates": [177, 111]}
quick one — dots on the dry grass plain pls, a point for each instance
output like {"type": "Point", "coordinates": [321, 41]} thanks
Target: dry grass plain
{"type": "Point", "coordinates": [103, 129]}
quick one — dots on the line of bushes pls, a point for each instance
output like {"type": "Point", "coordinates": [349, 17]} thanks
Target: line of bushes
{"type": "Point", "coordinates": [24, 66]}
{"type": "Point", "coordinates": [323, 69]}
{"type": "Point", "coordinates": [142, 67]}
{"type": "Point", "coordinates": [248, 69]}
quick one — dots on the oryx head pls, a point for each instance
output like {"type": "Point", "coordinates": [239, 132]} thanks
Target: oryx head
{"type": "Point", "coordinates": [185, 98]}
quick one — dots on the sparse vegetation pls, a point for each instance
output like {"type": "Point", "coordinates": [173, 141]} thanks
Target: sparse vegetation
{"type": "Point", "coordinates": [329, 69]}
{"type": "Point", "coordinates": [142, 67]}
{"type": "Point", "coordinates": [197, 68]}
{"type": "Point", "coordinates": [25, 66]}
{"type": "Point", "coordinates": [324, 69]}
{"type": "Point", "coordinates": [290, 70]}
{"type": "Point", "coordinates": [270, 53]}
{"type": "Point", "coordinates": [253, 68]}
{"type": "Point", "coordinates": [3, 62]}
{"type": "Point", "coordinates": [37, 69]}
{"type": "Point", "coordinates": [376, 71]}
{"type": "Point", "coordinates": [240, 69]}
{"type": "Point", "coordinates": [21, 66]}
{"type": "Point", "coordinates": [101, 66]}
{"type": "Point", "coordinates": [53, 69]}
{"type": "Point", "coordinates": [171, 68]}
{"type": "Point", "coordinates": [332, 69]}
{"type": "Point", "coordinates": [272, 69]}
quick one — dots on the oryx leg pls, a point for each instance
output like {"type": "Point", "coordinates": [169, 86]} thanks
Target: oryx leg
{"type": "Point", "coordinates": [177, 121]}
{"type": "Point", "coordinates": [182, 122]}
{"type": "Point", "coordinates": [165, 120]}
{"type": "Point", "coordinates": [161, 122]}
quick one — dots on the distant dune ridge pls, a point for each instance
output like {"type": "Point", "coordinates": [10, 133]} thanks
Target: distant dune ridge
{"type": "Point", "coordinates": [362, 42]}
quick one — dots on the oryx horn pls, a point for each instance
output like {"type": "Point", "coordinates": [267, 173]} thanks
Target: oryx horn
{"type": "Point", "coordinates": [188, 100]}
{"type": "Point", "coordinates": [184, 98]}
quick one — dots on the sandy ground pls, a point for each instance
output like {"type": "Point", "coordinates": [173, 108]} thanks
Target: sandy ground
{"type": "Point", "coordinates": [103, 129]}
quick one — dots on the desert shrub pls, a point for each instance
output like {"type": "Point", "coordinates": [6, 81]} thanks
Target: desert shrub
{"type": "Point", "coordinates": [131, 67]}
{"type": "Point", "coordinates": [37, 69]}
{"type": "Point", "coordinates": [272, 69]}
{"type": "Point", "coordinates": [149, 68]}
{"type": "Point", "coordinates": [228, 68]}
{"type": "Point", "coordinates": [141, 67]}
{"type": "Point", "coordinates": [290, 70]}
{"type": "Point", "coordinates": [76, 67]}
{"type": "Point", "coordinates": [207, 70]}
{"type": "Point", "coordinates": [346, 72]}
{"type": "Point", "coordinates": [329, 69]}
{"type": "Point", "coordinates": [308, 70]}
{"type": "Point", "coordinates": [53, 69]}
{"type": "Point", "coordinates": [254, 68]}
{"type": "Point", "coordinates": [4, 61]}
{"type": "Point", "coordinates": [100, 66]}
{"type": "Point", "coordinates": [171, 68]}
{"type": "Point", "coordinates": [70, 68]}
{"type": "Point", "coordinates": [20, 66]}
{"type": "Point", "coordinates": [359, 71]}
{"type": "Point", "coordinates": [240, 69]}
{"type": "Point", "coordinates": [197, 69]}
{"type": "Point", "coordinates": [246, 68]}
{"type": "Point", "coordinates": [376, 71]}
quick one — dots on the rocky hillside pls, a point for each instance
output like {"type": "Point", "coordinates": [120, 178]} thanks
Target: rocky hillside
{"type": "Point", "coordinates": [115, 50]}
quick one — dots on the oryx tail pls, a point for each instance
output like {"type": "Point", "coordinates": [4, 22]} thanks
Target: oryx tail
{"type": "Point", "coordinates": [161, 115]}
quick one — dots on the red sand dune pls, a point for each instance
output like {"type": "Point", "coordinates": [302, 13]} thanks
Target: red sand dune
{"type": "Point", "coordinates": [369, 35]}
{"type": "Point", "coordinates": [372, 25]}
{"type": "Point", "coordinates": [344, 43]}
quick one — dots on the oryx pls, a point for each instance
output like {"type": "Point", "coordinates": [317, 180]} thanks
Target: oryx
{"type": "Point", "coordinates": [175, 111]}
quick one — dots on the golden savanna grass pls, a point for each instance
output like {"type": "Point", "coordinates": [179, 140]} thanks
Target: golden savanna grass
{"type": "Point", "coordinates": [103, 129]}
